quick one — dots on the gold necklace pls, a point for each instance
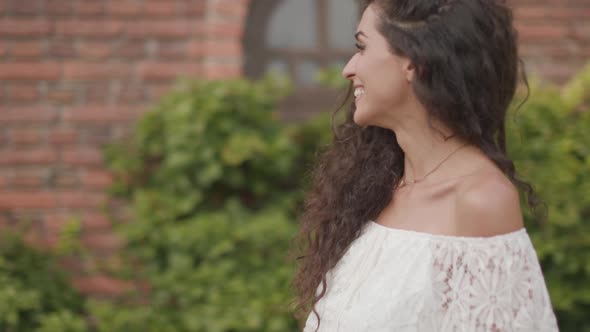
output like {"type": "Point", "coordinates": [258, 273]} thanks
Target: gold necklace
{"type": "Point", "coordinates": [404, 182]}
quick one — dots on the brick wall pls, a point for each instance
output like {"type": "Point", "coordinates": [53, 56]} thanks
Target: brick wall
{"type": "Point", "coordinates": [75, 74]}
{"type": "Point", "coordinates": [555, 36]}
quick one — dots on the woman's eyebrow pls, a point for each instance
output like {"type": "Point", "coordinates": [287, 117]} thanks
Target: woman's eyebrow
{"type": "Point", "coordinates": [359, 33]}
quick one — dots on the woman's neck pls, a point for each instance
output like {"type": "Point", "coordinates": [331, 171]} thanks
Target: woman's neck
{"type": "Point", "coordinates": [424, 150]}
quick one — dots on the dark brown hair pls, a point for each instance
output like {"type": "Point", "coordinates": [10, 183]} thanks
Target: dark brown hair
{"type": "Point", "coordinates": [467, 60]}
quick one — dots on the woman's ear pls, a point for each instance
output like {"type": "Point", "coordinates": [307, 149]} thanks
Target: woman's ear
{"type": "Point", "coordinates": [409, 69]}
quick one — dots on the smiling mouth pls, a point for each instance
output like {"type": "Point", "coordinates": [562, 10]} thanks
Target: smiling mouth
{"type": "Point", "coordinates": [359, 92]}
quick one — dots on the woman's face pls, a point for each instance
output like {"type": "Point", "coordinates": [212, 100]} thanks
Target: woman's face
{"type": "Point", "coordinates": [380, 78]}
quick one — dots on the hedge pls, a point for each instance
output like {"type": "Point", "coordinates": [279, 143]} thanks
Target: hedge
{"type": "Point", "coordinates": [215, 184]}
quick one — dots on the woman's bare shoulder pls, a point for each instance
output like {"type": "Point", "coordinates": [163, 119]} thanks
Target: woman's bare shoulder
{"type": "Point", "coordinates": [487, 204]}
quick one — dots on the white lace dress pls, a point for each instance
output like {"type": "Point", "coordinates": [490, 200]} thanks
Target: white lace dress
{"type": "Point", "coordinates": [401, 280]}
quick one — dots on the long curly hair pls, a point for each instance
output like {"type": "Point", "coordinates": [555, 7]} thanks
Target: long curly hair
{"type": "Point", "coordinates": [467, 59]}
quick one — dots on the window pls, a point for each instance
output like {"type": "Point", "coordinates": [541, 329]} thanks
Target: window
{"type": "Point", "coordinates": [298, 38]}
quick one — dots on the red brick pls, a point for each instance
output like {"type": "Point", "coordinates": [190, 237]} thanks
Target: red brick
{"type": "Point", "coordinates": [27, 199]}
{"type": "Point", "coordinates": [233, 30]}
{"type": "Point", "coordinates": [159, 8]}
{"type": "Point", "coordinates": [531, 12]}
{"type": "Point", "coordinates": [132, 49]}
{"type": "Point", "coordinates": [196, 48]}
{"type": "Point", "coordinates": [102, 242]}
{"type": "Point", "coordinates": [23, 92]}
{"type": "Point", "coordinates": [24, 27]}
{"type": "Point", "coordinates": [97, 179]}
{"type": "Point", "coordinates": [88, 28]}
{"type": "Point", "coordinates": [156, 91]}
{"type": "Point", "coordinates": [545, 13]}
{"type": "Point", "coordinates": [27, 115]}
{"type": "Point", "coordinates": [200, 28]}
{"type": "Point", "coordinates": [79, 199]}
{"type": "Point", "coordinates": [64, 178]}
{"type": "Point", "coordinates": [26, 49]}
{"type": "Point", "coordinates": [230, 9]}
{"type": "Point", "coordinates": [222, 71]}
{"type": "Point", "coordinates": [24, 136]}
{"type": "Point", "coordinates": [89, 71]}
{"type": "Point", "coordinates": [29, 7]}
{"type": "Point", "coordinates": [95, 50]}
{"type": "Point", "coordinates": [63, 136]}
{"type": "Point", "coordinates": [58, 7]}
{"type": "Point", "coordinates": [132, 94]}
{"type": "Point", "coordinates": [559, 73]}
{"type": "Point", "coordinates": [73, 265]}
{"type": "Point", "coordinates": [53, 222]}
{"type": "Point", "coordinates": [540, 32]}
{"type": "Point", "coordinates": [173, 28]}
{"type": "Point", "coordinates": [27, 156]}
{"type": "Point", "coordinates": [3, 49]}
{"type": "Point", "coordinates": [66, 181]}
{"type": "Point", "coordinates": [102, 285]}
{"type": "Point", "coordinates": [101, 135]}
{"type": "Point", "coordinates": [217, 49]}
{"type": "Point", "coordinates": [95, 222]}
{"type": "Point", "coordinates": [168, 71]}
{"type": "Point", "coordinates": [581, 32]}
{"type": "Point", "coordinates": [61, 48]}
{"type": "Point", "coordinates": [62, 95]}
{"type": "Point", "coordinates": [171, 50]}
{"type": "Point", "coordinates": [530, 49]}
{"type": "Point", "coordinates": [30, 71]}
{"type": "Point", "coordinates": [123, 8]}
{"type": "Point", "coordinates": [28, 179]}
{"type": "Point", "coordinates": [89, 7]}
{"type": "Point", "coordinates": [558, 52]}
{"type": "Point", "coordinates": [34, 238]}
{"type": "Point", "coordinates": [101, 114]}
{"type": "Point", "coordinates": [86, 156]}
{"type": "Point", "coordinates": [196, 9]}
{"type": "Point", "coordinates": [97, 92]}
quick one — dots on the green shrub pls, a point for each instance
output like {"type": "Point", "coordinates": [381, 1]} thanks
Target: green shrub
{"type": "Point", "coordinates": [34, 293]}
{"type": "Point", "coordinates": [549, 140]}
{"type": "Point", "coordinates": [216, 184]}
{"type": "Point", "coordinates": [214, 180]}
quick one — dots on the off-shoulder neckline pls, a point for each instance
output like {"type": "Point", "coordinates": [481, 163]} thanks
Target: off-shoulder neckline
{"type": "Point", "coordinates": [408, 232]}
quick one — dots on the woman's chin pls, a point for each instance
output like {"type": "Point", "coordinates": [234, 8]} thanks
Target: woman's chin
{"type": "Point", "coordinates": [361, 118]}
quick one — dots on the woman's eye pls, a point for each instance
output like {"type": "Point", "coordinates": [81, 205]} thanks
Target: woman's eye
{"type": "Point", "coordinates": [359, 46]}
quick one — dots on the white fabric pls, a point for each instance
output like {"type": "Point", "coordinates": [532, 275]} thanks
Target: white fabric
{"type": "Point", "coordinates": [401, 280]}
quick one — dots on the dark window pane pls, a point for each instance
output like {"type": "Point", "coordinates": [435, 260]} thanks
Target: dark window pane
{"type": "Point", "coordinates": [293, 24]}
{"type": "Point", "coordinates": [278, 66]}
{"type": "Point", "coordinates": [306, 72]}
{"type": "Point", "coordinates": [342, 22]}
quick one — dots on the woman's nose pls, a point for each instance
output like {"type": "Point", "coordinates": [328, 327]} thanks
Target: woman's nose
{"type": "Point", "coordinates": [348, 71]}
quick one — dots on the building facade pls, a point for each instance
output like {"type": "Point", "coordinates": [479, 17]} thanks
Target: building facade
{"type": "Point", "coordinates": [76, 74]}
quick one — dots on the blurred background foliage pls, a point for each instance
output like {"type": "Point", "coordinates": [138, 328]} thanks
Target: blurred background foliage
{"type": "Point", "coordinates": [34, 292]}
{"type": "Point", "coordinates": [215, 183]}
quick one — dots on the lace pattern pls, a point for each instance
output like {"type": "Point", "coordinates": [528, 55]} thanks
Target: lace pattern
{"type": "Point", "coordinates": [396, 280]}
{"type": "Point", "coordinates": [488, 285]}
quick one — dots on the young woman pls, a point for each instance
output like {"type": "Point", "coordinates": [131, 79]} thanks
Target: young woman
{"type": "Point", "coordinates": [413, 221]}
